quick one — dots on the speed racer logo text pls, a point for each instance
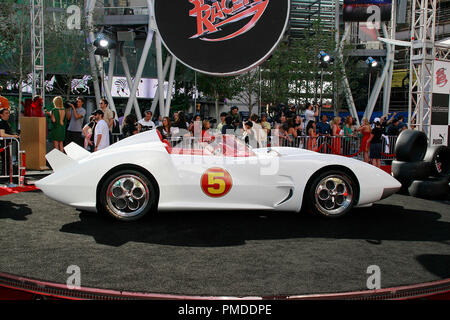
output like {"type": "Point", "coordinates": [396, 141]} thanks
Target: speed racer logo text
{"type": "Point", "coordinates": [211, 15]}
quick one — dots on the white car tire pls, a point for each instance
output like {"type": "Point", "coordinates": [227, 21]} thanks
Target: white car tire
{"type": "Point", "coordinates": [332, 194]}
{"type": "Point", "coordinates": [128, 195]}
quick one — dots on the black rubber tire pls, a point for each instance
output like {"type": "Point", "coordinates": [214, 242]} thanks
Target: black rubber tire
{"type": "Point", "coordinates": [311, 204]}
{"type": "Point", "coordinates": [431, 188]}
{"type": "Point", "coordinates": [407, 172]}
{"type": "Point", "coordinates": [439, 160]}
{"type": "Point", "coordinates": [411, 146]}
{"type": "Point", "coordinates": [151, 206]}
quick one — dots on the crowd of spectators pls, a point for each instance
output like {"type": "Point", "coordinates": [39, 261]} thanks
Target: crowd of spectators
{"type": "Point", "coordinates": [292, 126]}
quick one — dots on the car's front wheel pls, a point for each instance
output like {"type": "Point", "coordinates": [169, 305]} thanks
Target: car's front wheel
{"type": "Point", "coordinates": [332, 194]}
{"type": "Point", "coordinates": [128, 195]}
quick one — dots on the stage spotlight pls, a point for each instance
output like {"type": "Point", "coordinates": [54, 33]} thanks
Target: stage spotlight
{"type": "Point", "coordinates": [324, 56]}
{"type": "Point", "coordinates": [104, 41]}
{"type": "Point", "coordinates": [371, 62]}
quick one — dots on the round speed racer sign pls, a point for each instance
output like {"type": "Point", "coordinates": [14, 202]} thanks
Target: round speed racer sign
{"type": "Point", "coordinates": [216, 182]}
{"type": "Point", "coordinates": [221, 37]}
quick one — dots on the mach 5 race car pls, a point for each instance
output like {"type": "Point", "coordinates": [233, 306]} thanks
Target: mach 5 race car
{"type": "Point", "coordinates": [144, 173]}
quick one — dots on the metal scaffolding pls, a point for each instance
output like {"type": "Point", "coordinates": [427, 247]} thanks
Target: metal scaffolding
{"type": "Point", "coordinates": [102, 79]}
{"type": "Point", "coordinates": [422, 58]}
{"type": "Point", "coordinates": [37, 48]}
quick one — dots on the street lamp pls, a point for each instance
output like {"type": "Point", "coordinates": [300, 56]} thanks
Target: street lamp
{"type": "Point", "coordinates": [372, 63]}
{"type": "Point", "coordinates": [325, 59]}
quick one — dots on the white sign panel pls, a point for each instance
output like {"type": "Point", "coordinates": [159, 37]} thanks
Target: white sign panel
{"type": "Point", "coordinates": [441, 77]}
{"type": "Point", "coordinates": [439, 135]}
{"type": "Point", "coordinates": [146, 89]}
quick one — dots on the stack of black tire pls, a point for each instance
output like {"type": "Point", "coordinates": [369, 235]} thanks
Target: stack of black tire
{"type": "Point", "coordinates": [423, 171]}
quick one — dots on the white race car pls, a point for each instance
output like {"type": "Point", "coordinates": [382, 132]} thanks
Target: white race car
{"type": "Point", "coordinates": [143, 174]}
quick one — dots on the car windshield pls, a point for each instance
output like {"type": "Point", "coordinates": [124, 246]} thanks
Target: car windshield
{"type": "Point", "coordinates": [219, 145]}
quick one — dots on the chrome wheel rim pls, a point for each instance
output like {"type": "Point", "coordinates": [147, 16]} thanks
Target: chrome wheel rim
{"type": "Point", "coordinates": [334, 194]}
{"type": "Point", "coordinates": [127, 196]}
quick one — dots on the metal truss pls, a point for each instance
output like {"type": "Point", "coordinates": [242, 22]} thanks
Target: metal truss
{"type": "Point", "coordinates": [37, 48]}
{"type": "Point", "coordinates": [442, 53]}
{"type": "Point", "coordinates": [100, 77]}
{"type": "Point", "coordinates": [423, 53]}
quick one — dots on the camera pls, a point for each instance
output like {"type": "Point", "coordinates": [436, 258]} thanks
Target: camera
{"type": "Point", "coordinates": [67, 104]}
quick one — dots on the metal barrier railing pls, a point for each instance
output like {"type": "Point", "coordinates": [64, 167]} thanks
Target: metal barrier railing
{"type": "Point", "coordinates": [12, 161]}
{"type": "Point", "coordinates": [347, 146]}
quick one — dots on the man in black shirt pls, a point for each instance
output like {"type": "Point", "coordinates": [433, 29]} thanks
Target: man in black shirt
{"type": "Point", "coordinates": [228, 127]}
{"type": "Point", "coordinates": [5, 132]}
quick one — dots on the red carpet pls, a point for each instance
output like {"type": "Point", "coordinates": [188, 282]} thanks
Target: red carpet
{"type": "Point", "coordinates": [5, 191]}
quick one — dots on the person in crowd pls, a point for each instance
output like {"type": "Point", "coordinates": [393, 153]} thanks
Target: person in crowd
{"type": "Point", "coordinates": [336, 133]}
{"type": "Point", "coordinates": [249, 134]}
{"type": "Point", "coordinates": [365, 130]}
{"type": "Point", "coordinates": [101, 132]}
{"type": "Point", "coordinates": [260, 134]}
{"type": "Point", "coordinates": [311, 131]}
{"type": "Point", "coordinates": [180, 121]}
{"type": "Point", "coordinates": [228, 128]}
{"type": "Point", "coordinates": [265, 124]}
{"type": "Point", "coordinates": [75, 117]}
{"type": "Point", "coordinates": [5, 132]}
{"type": "Point", "coordinates": [401, 121]}
{"type": "Point", "coordinates": [195, 125]}
{"type": "Point", "coordinates": [282, 121]}
{"type": "Point", "coordinates": [291, 129]}
{"type": "Point", "coordinates": [108, 115]}
{"type": "Point", "coordinates": [348, 135]}
{"type": "Point", "coordinates": [130, 126]}
{"type": "Point", "coordinates": [88, 131]}
{"type": "Point", "coordinates": [375, 142]}
{"type": "Point", "coordinates": [234, 113]}
{"type": "Point", "coordinates": [115, 130]}
{"type": "Point", "coordinates": [324, 131]}
{"type": "Point", "coordinates": [121, 117]}
{"type": "Point", "coordinates": [323, 127]}
{"type": "Point", "coordinates": [146, 123]}
{"type": "Point", "coordinates": [59, 122]}
{"type": "Point", "coordinates": [5, 128]}
{"type": "Point", "coordinates": [291, 112]}
{"type": "Point", "coordinates": [348, 127]}
{"type": "Point", "coordinates": [206, 132]}
{"type": "Point", "coordinates": [311, 112]}
{"type": "Point", "coordinates": [4, 103]}
{"type": "Point", "coordinates": [283, 135]}
{"type": "Point", "coordinates": [299, 125]}
{"type": "Point", "coordinates": [393, 129]}
{"type": "Point", "coordinates": [166, 130]}
{"type": "Point", "coordinates": [158, 122]}
{"type": "Point", "coordinates": [223, 115]}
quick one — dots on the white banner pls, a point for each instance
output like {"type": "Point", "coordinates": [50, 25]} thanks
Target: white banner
{"type": "Point", "coordinates": [441, 77]}
{"type": "Point", "coordinates": [439, 135]}
{"type": "Point", "coordinates": [146, 89]}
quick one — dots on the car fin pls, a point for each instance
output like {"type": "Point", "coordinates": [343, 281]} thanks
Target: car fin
{"type": "Point", "coordinates": [58, 160]}
{"type": "Point", "coordinates": [76, 152]}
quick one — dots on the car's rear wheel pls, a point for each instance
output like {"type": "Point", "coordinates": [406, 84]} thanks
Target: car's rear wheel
{"type": "Point", "coordinates": [332, 194]}
{"type": "Point", "coordinates": [128, 195]}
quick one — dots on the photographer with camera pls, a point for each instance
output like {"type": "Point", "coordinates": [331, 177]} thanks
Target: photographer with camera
{"type": "Point", "coordinates": [146, 123]}
{"type": "Point", "coordinates": [75, 116]}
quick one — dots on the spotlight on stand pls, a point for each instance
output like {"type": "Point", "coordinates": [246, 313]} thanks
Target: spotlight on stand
{"type": "Point", "coordinates": [103, 44]}
{"type": "Point", "coordinates": [371, 62]}
{"type": "Point", "coordinates": [324, 58]}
